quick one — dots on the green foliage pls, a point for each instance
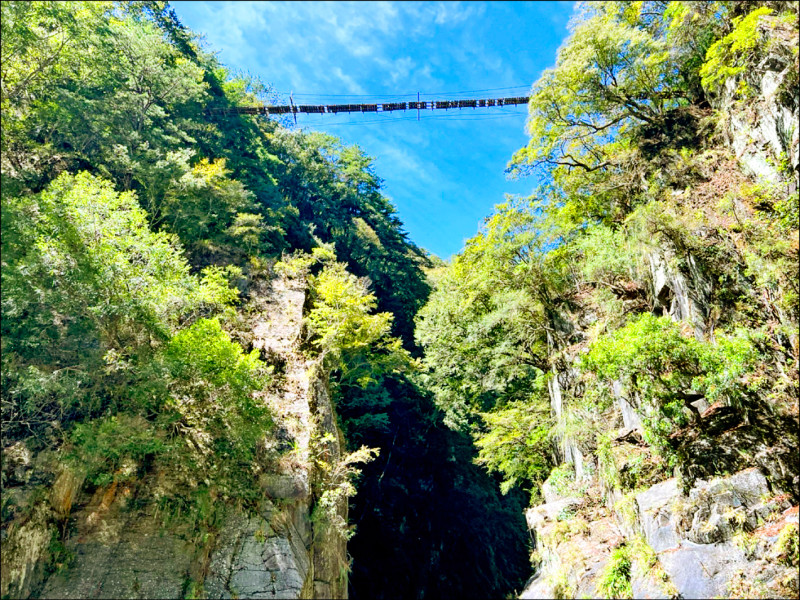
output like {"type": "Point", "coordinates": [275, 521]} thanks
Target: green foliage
{"type": "Point", "coordinates": [60, 558]}
{"type": "Point", "coordinates": [565, 514]}
{"type": "Point", "coordinates": [205, 352]}
{"type": "Point", "coordinates": [125, 100]}
{"type": "Point", "coordinates": [624, 466]}
{"type": "Point", "coordinates": [615, 579]}
{"type": "Point", "coordinates": [204, 203]}
{"type": "Point", "coordinates": [202, 390]}
{"type": "Point", "coordinates": [111, 448]}
{"type": "Point", "coordinates": [607, 468]}
{"type": "Point", "coordinates": [691, 27]}
{"type": "Point", "coordinates": [607, 76]}
{"type": "Point", "coordinates": [107, 338]}
{"type": "Point", "coordinates": [367, 411]}
{"type": "Point", "coordinates": [299, 263]}
{"type": "Point", "coordinates": [646, 561]}
{"type": "Point", "coordinates": [84, 249]}
{"type": "Point", "coordinates": [343, 327]}
{"type": "Point", "coordinates": [747, 542]}
{"type": "Point", "coordinates": [729, 368]}
{"type": "Point", "coordinates": [657, 361]}
{"type": "Point", "coordinates": [41, 42]}
{"type": "Point", "coordinates": [788, 211]}
{"type": "Point", "coordinates": [606, 255]}
{"type": "Point", "coordinates": [730, 56]}
{"type": "Point", "coordinates": [338, 201]}
{"type": "Point", "coordinates": [515, 444]}
{"type": "Point", "coordinates": [619, 71]}
{"type": "Point", "coordinates": [337, 486]}
{"type": "Point", "coordinates": [212, 385]}
{"type": "Point", "coordinates": [625, 508]}
{"type": "Point", "coordinates": [786, 547]}
{"type": "Point", "coordinates": [568, 527]}
{"type": "Point", "coordinates": [562, 479]}
{"type": "Point", "coordinates": [198, 511]}
{"type": "Point", "coordinates": [562, 586]}
{"type": "Point", "coordinates": [89, 292]}
{"type": "Point", "coordinates": [485, 328]}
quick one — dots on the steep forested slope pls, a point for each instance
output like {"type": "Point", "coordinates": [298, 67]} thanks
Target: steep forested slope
{"type": "Point", "coordinates": [142, 379]}
{"type": "Point", "coordinates": [624, 342]}
{"type": "Point", "coordinates": [210, 320]}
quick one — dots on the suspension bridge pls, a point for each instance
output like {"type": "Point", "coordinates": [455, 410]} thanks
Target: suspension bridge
{"type": "Point", "coordinates": [378, 107]}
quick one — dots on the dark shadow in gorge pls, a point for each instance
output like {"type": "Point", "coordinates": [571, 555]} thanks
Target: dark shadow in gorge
{"type": "Point", "coordinates": [430, 523]}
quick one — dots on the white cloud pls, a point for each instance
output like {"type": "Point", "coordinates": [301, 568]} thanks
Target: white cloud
{"type": "Point", "coordinates": [350, 83]}
{"type": "Point", "coordinates": [455, 12]}
{"type": "Point", "coordinates": [343, 47]}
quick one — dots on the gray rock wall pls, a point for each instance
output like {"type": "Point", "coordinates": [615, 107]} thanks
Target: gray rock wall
{"type": "Point", "coordinates": [119, 545]}
{"type": "Point", "coordinates": [723, 532]}
{"type": "Point", "coordinates": [764, 129]}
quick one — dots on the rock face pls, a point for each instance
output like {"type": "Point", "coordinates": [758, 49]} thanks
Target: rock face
{"type": "Point", "coordinates": [703, 533]}
{"type": "Point", "coordinates": [766, 132]}
{"type": "Point", "coordinates": [574, 541]}
{"type": "Point", "coordinates": [683, 296]}
{"type": "Point", "coordinates": [120, 546]}
{"type": "Point", "coordinates": [700, 545]}
{"type": "Point", "coordinates": [693, 536]}
{"type": "Point", "coordinates": [262, 557]}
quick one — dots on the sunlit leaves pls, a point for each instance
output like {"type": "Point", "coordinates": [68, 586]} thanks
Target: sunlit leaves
{"type": "Point", "coordinates": [729, 56]}
{"type": "Point", "coordinates": [43, 42]}
{"type": "Point", "coordinates": [90, 252]}
{"type": "Point", "coordinates": [516, 444]}
{"type": "Point", "coordinates": [337, 196]}
{"type": "Point", "coordinates": [211, 389]}
{"type": "Point", "coordinates": [345, 328]}
{"type": "Point", "coordinates": [656, 360]}
{"type": "Point", "coordinates": [608, 76]}
{"type": "Point", "coordinates": [485, 327]}
{"type": "Point", "coordinates": [204, 203]}
{"type": "Point", "coordinates": [85, 278]}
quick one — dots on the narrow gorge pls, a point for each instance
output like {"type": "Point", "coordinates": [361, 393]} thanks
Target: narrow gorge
{"type": "Point", "coordinates": [228, 371]}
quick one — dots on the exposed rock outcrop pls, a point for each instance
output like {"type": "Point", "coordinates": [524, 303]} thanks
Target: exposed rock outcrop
{"type": "Point", "coordinates": [116, 542]}
{"type": "Point", "coordinates": [763, 131]}
{"type": "Point", "coordinates": [701, 545]}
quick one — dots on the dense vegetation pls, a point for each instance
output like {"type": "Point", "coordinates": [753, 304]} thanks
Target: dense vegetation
{"type": "Point", "coordinates": [634, 178]}
{"type": "Point", "coordinates": [136, 216]}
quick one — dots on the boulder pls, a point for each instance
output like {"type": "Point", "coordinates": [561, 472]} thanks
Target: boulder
{"type": "Point", "coordinates": [692, 534]}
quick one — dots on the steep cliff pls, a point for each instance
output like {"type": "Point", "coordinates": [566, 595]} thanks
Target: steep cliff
{"type": "Point", "coordinates": [720, 519]}
{"type": "Point", "coordinates": [67, 540]}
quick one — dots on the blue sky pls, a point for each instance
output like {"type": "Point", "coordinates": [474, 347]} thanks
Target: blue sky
{"type": "Point", "coordinates": [445, 172]}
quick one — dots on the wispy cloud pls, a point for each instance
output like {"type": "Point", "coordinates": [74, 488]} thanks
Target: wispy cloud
{"type": "Point", "coordinates": [444, 175]}
{"type": "Point", "coordinates": [449, 13]}
{"type": "Point", "coordinates": [350, 84]}
{"type": "Point", "coordinates": [346, 47]}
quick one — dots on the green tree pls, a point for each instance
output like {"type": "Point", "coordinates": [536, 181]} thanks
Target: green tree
{"type": "Point", "coordinates": [486, 327]}
{"type": "Point", "coordinates": [610, 74]}
{"type": "Point", "coordinates": [517, 443]}
{"type": "Point", "coordinates": [337, 198]}
{"type": "Point", "coordinates": [354, 341]}
{"type": "Point", "coordinates": [86, 286]}
{"type": "Point", "coordinates": [666, 369]}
